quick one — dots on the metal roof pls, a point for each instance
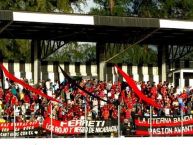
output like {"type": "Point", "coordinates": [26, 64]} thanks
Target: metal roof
{"type": "Point", "coordinates": [87, 28]}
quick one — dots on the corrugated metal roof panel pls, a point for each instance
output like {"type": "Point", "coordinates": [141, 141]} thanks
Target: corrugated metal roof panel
{"type": "Point", "coordinates": [126, 21]}
{"type": "Point", "coordinates": [6, 15]}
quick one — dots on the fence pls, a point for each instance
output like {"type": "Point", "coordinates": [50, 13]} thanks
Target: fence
{"type": "Point", "coordinates": [138, 126]}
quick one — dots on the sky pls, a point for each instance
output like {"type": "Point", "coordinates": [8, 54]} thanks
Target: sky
{"type": "Point", "coordinates": [86, 8]}
{"type": "Point", "coordinates": [90, 4]}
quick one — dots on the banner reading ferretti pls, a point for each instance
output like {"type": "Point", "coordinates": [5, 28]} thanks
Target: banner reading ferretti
{"type": "Point", "coordinates": [164, 126]}
{"type": "Point", "coordinates": [78, 126]}
{"type": "Point", "coordinates": [21, 129]}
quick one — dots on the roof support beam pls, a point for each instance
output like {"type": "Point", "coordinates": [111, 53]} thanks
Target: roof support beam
{"type": "Point", "coordinates": [48, 47]}
{"type": "Point", "coordinates": [5, 26]}
{"type": "Point", "coordinates": [179, 51]}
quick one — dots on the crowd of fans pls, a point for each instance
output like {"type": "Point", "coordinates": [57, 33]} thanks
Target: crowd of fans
{"type": "Point", "coordinates": [30, 106]}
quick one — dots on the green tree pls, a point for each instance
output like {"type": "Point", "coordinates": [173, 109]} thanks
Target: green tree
{"type": "Point", "coordinates": [111, 7]}
{"type": "Point", "coordinates": [74, 52]}
{"type": "Point", "coordinates": [40, 5]}
{"type": "Point", "coordinates": [177, 9]}
{"type": "Point", "coordinates": [133, 55]}
{"type": "Point", "coordinates": [15, 49]}
{"type": "Point", "coordinates": [180, 9]}
{"type": "Point", "coordinates": [20, 49]}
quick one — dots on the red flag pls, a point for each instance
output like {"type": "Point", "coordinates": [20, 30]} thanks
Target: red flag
{"type": "Point", "coordinates": [132, 84]}
{"type": "Point", "coordinates": [25, 85]}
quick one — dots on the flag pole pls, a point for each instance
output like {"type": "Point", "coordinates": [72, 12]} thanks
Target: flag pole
{"type": "Point", "coordinates": [150, 121]}
{"type": "Point", "coordinates": [51, 121]}
{"type": "Point", "coordinates": [119, 132]}
{"type": "Point", "coordinates": [182, 123]}
{"type": "Point", "coordinates": [14, 120]}
{"type": "Point", "coordinates": [85, 118]}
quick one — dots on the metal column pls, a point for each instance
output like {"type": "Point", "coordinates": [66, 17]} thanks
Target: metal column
{"type": "Point", "coordinates": [162, 62]}
{"type": "Point", "coordinates": [101, 64]}
{"type": "Point", "coordinates": [35, 57]}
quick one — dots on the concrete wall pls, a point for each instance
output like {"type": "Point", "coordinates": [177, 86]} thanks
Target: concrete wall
{"type": "Point", "coordinates": [51, 71]}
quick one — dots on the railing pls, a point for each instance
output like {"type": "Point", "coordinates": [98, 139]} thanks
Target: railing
{"type": "Point", "coordinates": [138, 126]}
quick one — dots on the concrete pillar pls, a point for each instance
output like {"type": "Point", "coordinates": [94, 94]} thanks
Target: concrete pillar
{"type": "Point", "coordinates": [164, 67]}
{"type": "Point", "coordinates": [155, 75]}
{"type": "Point", "coordinates": [83, 70]}
{"type": "Point", "coordinates": [94, 70]}
{"type": "Point", "coordinates": [101, 64]}
{"type": "Point", "coordinates": [173, 83]}
{"type": "Point", "coordinates": [5, 64]}
{"type": "Point", "coordinates": [135, 73]}
{"type": "Point", "coordinates": [113, 74]}
{"type": "Point", "coordinates": [102, 69]}
{"type": "Point", "coordinates": [28, 71]}
{"type": "Point", "coordinates": [162, 62]}
{"type": "Point", "coordinates": [17, 72]}
{"type": "Point", "coordinates": [181, 84]}
{"type": "Point", "coordinates": [50, 70]}
{"type": "Point", "coordinates": [145, 73]}
{"type": "Point", "coordinates": [124, 68]}
{"type": "Point", "coordinates": [35, 51]}
{"type": "Point", "coordinates": [61, 76]}
{"type": "Point", "coordinates": [72, 70]}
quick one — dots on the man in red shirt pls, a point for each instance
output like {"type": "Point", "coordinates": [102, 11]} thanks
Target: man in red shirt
{"type": "Point", "coordinates": [105, 113]}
